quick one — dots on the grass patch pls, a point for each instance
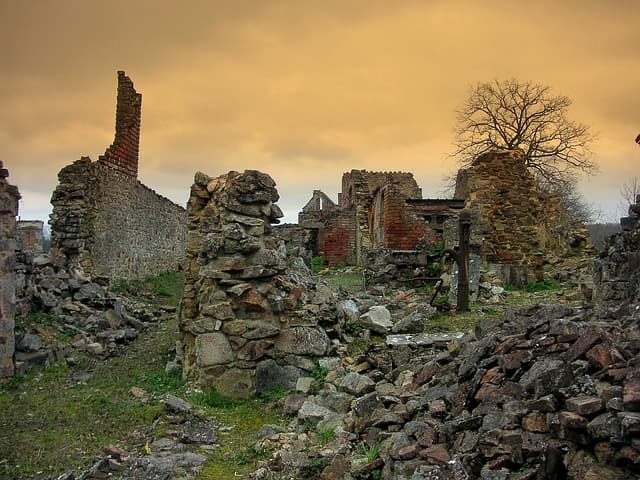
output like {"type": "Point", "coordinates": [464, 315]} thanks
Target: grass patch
{"type": "Point", "coordinates": [317, 264]}
{"type": "Point", "coordinates": [460, 322]}
{"type": "Point", "coordinates": [319, 375]}
{"type": "Point", "coordinates": [371, 453]}
{"type": "Point", "coordinates": [162, 382]}
{"type": "Point", "coordinates": [325, 436]}
{"type": "Point", "coordinates": [213, 399]}
{"type": "Point", "coordinates": [56, 422]}
{"type": "Point", "coordinates": [544, 286]}
{"type": "Point", "coordinates": [349, 280]}
{"type": "Point", "coordinates": [167, 287]}
{"type": "Point", "coordinates": [235, 455]}
{"type": "Point", "coordinates": [276, 393]}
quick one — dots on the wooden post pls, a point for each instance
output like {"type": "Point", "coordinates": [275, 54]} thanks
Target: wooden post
{"type": "Point", "coordinates": [463, 260]}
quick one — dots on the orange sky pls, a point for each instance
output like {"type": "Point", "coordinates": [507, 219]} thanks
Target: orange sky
{"type": "Point", "coordinates": [303, 90]}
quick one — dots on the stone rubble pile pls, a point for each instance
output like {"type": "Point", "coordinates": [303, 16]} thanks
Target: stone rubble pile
{"type": "Point", "coordinates": [79, 314]}
{"type": "Point", "coordinates": [548, 393]}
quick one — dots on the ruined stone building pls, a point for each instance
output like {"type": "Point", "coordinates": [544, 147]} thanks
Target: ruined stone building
{"type": "Point", "coordinates": [30, 235]}
{"type": "Point", "coordinates": [104, 219]}
{"type": "Point", "coordinates": [514, 222]}
{"type": "Point", "coordinates": [375, 210]}
{"type": "Point", "coordinates": [9, 197]}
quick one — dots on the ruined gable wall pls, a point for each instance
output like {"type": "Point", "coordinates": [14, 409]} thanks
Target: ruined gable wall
{"type": "Point", "coordinates": [360, 189]}
{"type": "Point", "coordinates": [137, 233]}
{"type": "Point", "coordinates": [517, 223]}
{"type": "Point", "coordinates": [107, 222]}
{"type": "Point", "coordinates": [9, 197]}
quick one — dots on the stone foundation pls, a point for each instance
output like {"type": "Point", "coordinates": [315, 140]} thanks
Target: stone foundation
{"type": "Point", "coordinates": [250, 313]}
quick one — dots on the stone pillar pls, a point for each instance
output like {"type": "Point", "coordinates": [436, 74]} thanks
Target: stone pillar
{"type": "Point", "coordinates": [9, 197]}
{"type": "Point", "coordinates": [616, 273]}
{"type": "Point", "coordinates": [250, 313]}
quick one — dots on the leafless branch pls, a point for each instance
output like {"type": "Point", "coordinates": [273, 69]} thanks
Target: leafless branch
{"type": "Point", "coordinates": [512, 114]}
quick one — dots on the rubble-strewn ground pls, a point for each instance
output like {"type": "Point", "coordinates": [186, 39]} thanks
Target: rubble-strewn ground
{"type": "Point", "coordinates": [71, 415]}
{"type": "Point", "coordinates": [548, 393]}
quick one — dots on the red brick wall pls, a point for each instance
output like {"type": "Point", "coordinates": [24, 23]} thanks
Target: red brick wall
{"type": "Point", "coordinates": [402, 231]}
{"type": "Point", "coordinates": [123, 152]}
{"type": "Point", "coordinates": [337, 241]}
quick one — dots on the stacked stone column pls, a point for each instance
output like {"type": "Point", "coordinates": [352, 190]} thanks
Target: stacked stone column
{"type": "Point", "coordinates": [617, 271]}
{"type": "Point", "coordinates": [9, 197]}
{"type": "Point", "coordinates": [250, 313]}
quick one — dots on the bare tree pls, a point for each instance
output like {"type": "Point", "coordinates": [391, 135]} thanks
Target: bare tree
{"type": "Point", "coordinates": [510, 114]}
{"type": "Point", "coordinates": [565, 186]}
{"type": "Point", "coordinates": [629, 193]}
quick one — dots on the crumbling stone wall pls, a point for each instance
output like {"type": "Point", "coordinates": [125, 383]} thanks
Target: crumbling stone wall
{"type": "Point", "coordinates": [30, 235]}
{"type": "Point", "coordinates": [372, 212]}
{"type": "Point", "coordinates": [107, 222]}
{"type": "Point", "coordinates": [617, 271]}
{"type": "Point", "coordinates": [330, 229]}
{"type": "Point", "coordinates": [9, 197]}
{"type": "Point", "coordinates": [250, 313]}
{"type": "Point", "coordinates": [513, 221]}
{"type": "Point", "coordinates": [363, 191]}
{"type": "Point", "coordinates": [398, 228]}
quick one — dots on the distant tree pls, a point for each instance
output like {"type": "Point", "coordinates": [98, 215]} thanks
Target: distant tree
{"type": "Point", "coordinates": [599, 232]}
{"type": "Point", "coordinates": [512, 114]}
{"type": "Point", "coordinates": [629, 192]}
{"type": "Point", "coordinates": [566, 188]}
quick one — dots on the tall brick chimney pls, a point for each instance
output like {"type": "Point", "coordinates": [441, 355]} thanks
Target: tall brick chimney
{"type": "Point", "coordinates": [123, 152]}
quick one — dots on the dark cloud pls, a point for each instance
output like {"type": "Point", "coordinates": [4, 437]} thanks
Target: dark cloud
{"type": "Point", "coordinates": [286, 85]}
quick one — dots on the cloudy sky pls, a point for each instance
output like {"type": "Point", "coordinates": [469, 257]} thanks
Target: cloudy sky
{"type": "Point", "coordinates": [303, 90]}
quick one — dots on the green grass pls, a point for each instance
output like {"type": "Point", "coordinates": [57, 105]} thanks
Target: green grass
{"type": "Point", "coordinates": [35, 319]}
{"type": "Point", "coordinates": [460, 322]}
{"type": "Point", "coordinates": [167, 287]}
{"type": "Point", "coordinates": [371, 453]}
{"type": "Point", "coordinates": [317, 264]}
{"type": "Point", "coordinates": [52, 423]}
{"type": "Point", "coordinates": [57, 423]}
{"type": "Point", "coordinates": [544, 286]}
{"type": "Point", "coordinates": [325, 436]}
{"type": "Point", "coordinates": [213, 399]}
{"type": "Point", "coordinates": [162, 382]}
{"type": "Point", "coordinates": [236, 454]}
{"type": "Point", "coordinates": [275, 393]}
{"type": "Point", "coordinates": [345, 279]}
